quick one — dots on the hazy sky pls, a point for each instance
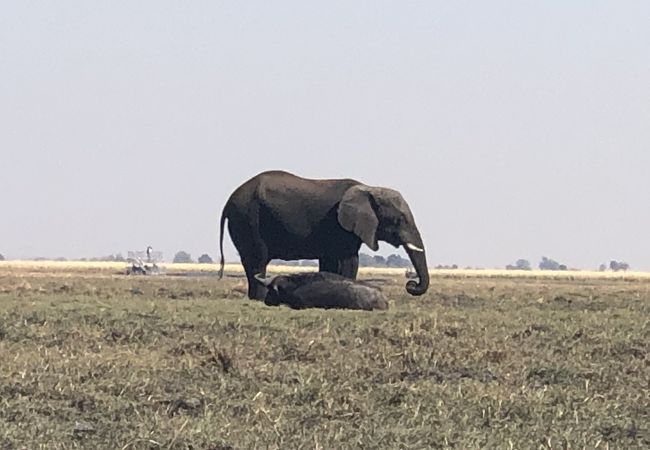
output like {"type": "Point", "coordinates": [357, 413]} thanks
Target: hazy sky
{"type": "Point", "coordinates": [514, 129]}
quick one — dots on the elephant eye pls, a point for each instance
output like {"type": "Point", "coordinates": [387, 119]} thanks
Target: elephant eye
{"type": "Point", "coordinates": [281, 288]}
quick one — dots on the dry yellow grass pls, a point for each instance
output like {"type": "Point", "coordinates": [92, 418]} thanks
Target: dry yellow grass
{"type": "Point", "coordinates": [116, 268]}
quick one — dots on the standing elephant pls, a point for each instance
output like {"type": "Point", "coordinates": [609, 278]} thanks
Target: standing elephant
{"type": "Point", "coordinates": [279, 215]}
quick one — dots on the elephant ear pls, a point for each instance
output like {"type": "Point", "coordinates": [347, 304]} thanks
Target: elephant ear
{"type": "Point", "coordinates": [356, 215]}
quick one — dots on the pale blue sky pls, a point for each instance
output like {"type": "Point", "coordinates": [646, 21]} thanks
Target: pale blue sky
{"type": "Point", "coordinates": [513, 128]}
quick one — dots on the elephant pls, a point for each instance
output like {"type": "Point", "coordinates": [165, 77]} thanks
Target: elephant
{"type": "Point", "coordinates": [321, 290]}
{"type": "Point", "coordinates": [278, 215]}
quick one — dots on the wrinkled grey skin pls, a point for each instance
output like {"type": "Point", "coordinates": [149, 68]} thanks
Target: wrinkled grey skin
{"type": "Point", "coordinates": [279, 215]}
{"type": "Point", "coordinates": [321, 290]}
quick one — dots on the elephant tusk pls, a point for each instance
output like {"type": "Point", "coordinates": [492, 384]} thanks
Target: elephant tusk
{"type": "Point", "coordinates": [413, 247]}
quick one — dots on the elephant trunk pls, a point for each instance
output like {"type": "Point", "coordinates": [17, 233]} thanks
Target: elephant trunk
{"type": "Point", "coordinates": [419, 261]}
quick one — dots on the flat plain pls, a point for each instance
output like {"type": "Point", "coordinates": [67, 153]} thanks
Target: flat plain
{"type": "Point", "coordinates": [92, 358]}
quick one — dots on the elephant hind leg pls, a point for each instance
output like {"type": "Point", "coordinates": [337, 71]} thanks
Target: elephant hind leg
{"type": "Point", "coordinates": [252, 249]}
{"type": "Point", "coordinates": [255, 262]}
{"type": "Point", "coordinates": [255, 290]}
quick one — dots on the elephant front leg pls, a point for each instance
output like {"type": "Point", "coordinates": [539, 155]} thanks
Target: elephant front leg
{"type": "Point", "coordinates": [349, 267]}
{"type": "Point", "coordinates": [328, 264]}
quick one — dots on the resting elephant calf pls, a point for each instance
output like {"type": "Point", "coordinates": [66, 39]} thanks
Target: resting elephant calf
{"type": "Point", "coordinates": [321, 290]}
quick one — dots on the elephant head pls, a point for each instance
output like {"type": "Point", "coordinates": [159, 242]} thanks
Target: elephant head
{"type": "Point", "coordinates": [276, 287]}
{"type": "Point", "coordinates": [381, 214]}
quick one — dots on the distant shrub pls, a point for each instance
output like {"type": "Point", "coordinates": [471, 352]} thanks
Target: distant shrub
{"type": "Point", "coordinates": [618, 265]}
{"type": "Point", "coordinates": [550, 264]}
{"type": "Point", "coordinates": [2, 258]}
{"type": "Point", "coordinates": [397, 261]}
{"type": "Point", "coordinates": [378, 261]}
{"type": "Point", "coordinates": [365, 260]}
{"type": "Point", "coordinates": [182, 257]}
{"type": "Point", "coordinates": [520, 264]}
{"type": "Point", "coordinates": [205, 259]}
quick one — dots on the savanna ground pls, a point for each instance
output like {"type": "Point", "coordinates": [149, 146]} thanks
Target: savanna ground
{"type": "Point", "coordinates": [92, 359]}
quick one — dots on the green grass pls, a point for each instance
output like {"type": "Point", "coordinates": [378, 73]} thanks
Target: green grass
{"type": "Point", "coordinates": [187, 363]}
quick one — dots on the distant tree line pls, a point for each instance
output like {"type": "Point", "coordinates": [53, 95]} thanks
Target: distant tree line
{"type": "Point", "coordinates": [544, 264]}
{"type": "Point", "coordinates": [295, 263]}
{"type": "Point", "coordinates": [180, 257]}
{"type": "Point", "coordinates": [183, 257]}
{"type": "Point", "coordinates": [446, 266]}
{"type": "Point", "coordinates": [393, 260]}
{"type": "Point", "coordinates": [110, 258]}
{"type": "Point", "coordinates": [365, 260]}
{"type": "Point", "coordinates": [551, 264]}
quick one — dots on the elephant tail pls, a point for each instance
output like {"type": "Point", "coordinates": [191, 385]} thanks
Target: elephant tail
{"type": "Point", "coordinates": [224, 216]}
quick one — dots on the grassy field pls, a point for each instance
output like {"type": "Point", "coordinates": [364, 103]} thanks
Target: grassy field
{"type": "Point", "coordinates": [93, 359]}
